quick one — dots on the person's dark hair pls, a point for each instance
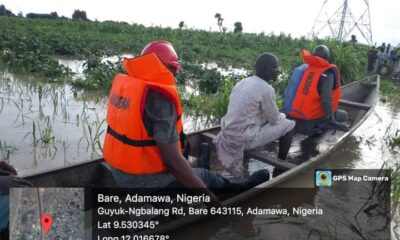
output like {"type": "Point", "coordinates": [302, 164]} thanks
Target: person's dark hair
{"type": "Point", "coordinates": [321, 51]}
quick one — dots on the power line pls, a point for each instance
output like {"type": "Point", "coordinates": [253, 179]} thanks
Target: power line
{"type": "Point", "coordinates": [343, 22]}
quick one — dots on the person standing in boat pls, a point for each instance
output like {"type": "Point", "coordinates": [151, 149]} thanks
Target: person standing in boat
{"type": "Point", "coordinates": [313, 93]}
{"type": "Point", "coordinates": [253, 118]}
{"type": "Point", "coordinates": [143, 144]}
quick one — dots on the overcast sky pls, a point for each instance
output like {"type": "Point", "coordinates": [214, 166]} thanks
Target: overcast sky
{"type": "Point", "coordinates": [288, 16]}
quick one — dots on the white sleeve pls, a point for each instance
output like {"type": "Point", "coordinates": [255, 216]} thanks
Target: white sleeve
{"type": "Point", "coordinates": [269, 108]}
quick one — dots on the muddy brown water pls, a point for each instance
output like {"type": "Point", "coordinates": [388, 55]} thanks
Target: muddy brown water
{"type": "Point", "coordinates": [71, 120]}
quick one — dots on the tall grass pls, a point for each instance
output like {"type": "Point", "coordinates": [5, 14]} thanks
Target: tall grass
{"type": "Point", "coordinates": [6, 150]}
{"type": "Point", "coordinates": [92, 133]}
{"type": "Point", "coordinates": [41, 133]}
{"type": "Point", "coordinates": [390, 91]}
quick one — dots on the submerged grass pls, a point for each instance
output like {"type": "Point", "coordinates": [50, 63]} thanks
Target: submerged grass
{"type": "Point", "coordinates": [6, 151]}
{"type": "Point", "coordinates": [41, 134]}
{"type": "Point", "coordinates": [92, 133]}
{"type": "Point", "coordinates": [395, 140]}
{"type": "Point", "coordinates": [390, 90]}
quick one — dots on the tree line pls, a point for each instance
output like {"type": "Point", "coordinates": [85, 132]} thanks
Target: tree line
{"type": "Point", "coordinates": [76, 15]}
{"type": "Point", "coordinates": [81, 15]}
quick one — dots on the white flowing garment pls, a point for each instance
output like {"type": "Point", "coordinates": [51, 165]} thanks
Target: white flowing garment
{"type": "Point", "coordinates": [252, 120]}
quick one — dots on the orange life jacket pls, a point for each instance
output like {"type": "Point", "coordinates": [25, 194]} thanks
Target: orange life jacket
{"type": "Point", "coordinates": [127, 145]}
{"type": "Point", "coordinates": [307, 103]}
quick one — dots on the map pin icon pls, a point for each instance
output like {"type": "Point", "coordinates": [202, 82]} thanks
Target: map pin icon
{"type": "Point", "coordinates": [46, 222]}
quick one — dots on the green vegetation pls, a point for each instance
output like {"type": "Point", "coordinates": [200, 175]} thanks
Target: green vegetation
{"type": "Point", "coordinates": [395, 140]}
{"type": "Point", "coordinates": [98, 74]}
{"type": "Point", "coordinates": [33, 45]}
{"type": "Point", "coordinates": [41, 134]}
{"type": "Point", "coordinates": [214, 105]}
{"type": "Point", "coordinates": [390, 91]}
{"type": "Point", "coordinates": [6, 151]}
{"type": "Point", "coordinates": [92, 133]}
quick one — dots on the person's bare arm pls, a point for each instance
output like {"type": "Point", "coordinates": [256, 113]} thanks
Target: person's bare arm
{"type": "Point", "coordinates": [178, 166]}
{"type": "Point", "coordinates": [161, 113]}
{"type": "Point", "coordinates": [269, 108]}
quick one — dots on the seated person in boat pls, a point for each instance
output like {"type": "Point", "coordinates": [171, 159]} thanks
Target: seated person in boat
{"type": "Point", "coordinates": [144, 144]}
{"type": "Point", "coordinates": [313, 93]}
{"type": "Point", "coordinates": [8, 179]}
{"type": "Point", "coordinates": [253, 118]}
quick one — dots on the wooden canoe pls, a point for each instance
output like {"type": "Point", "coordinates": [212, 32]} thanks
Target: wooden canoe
{"type": "Point", "coordinates": [358, 99]}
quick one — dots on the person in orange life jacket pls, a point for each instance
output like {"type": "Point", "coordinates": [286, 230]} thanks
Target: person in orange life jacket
{"type": "Point", "coordinates": [144, 117]}
{"type": "Point", "coordinates": [313, 103]}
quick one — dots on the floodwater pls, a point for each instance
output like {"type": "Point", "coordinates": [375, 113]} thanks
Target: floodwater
{"type": "Point", "coordinates": [47, 126]}
{"type": "Point", "coordinates": [367, 148]}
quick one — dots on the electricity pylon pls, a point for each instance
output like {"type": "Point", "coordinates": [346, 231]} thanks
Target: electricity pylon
{"type": "Point", "coordinates": [343, 22]}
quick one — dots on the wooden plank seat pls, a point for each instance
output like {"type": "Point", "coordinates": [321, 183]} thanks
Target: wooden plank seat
{"type": "Point", "coordinates": [358, 105]}
{"type": "Point", "coordinates": [277, 163]}
{"type": "Point", "coordinates": [282, 165]}
{"type": "Point", "coordinates": [207, 136]}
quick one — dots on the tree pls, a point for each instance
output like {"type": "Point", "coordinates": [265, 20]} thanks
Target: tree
{"type": "Point", "coordinates": [54, 15]}
{"type": "Point", "coordinates": [79, 15]}
{"type": "Point", "coordinates": [220, 21]}
{"type": "Point", "coordinates": [5, 12]}
{"type": "Point", "coordinates": [238, 27]}
{"type": "Point", "coordinates": [181, 24]}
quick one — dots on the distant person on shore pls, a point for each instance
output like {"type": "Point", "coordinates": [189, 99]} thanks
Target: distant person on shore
{"type": "Point", "coordinates": [381, 61]}
{"type": "Point", "coordinates": [392, 61]}
{"type": "Point", "coordinates": [144, 144]}
{"type": "Point", "coordinates": [372, 56]}
{"type": "Point", "coordinates": [313, 93]}
{"type": "Point", "coordinates": [8, 179]}
{"type": "Point", "coordinates": [383, 46]}
{"type": "Point", "coordinates": [396, 63]}
{"type": "Point", "coordinates": [253, 118]}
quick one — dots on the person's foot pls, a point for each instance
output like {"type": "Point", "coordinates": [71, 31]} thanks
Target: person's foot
{"type": "Point", "coordinates": [277, 172]}
{"type": "Point", "coordinates": [256, 178]}
{"type": "Point", "coordinates": [204, 156]}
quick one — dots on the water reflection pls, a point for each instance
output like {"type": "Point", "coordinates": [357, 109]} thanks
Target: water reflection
{"type": "Point", "coordinates": [348, 211]}
{"type": "Point", "coordinates": [48, 125]}
{"type": "Point", "coordinates": [78, 66]}
{"type": "Point", "coordinates": [228, 71]}
{"type": "Point", "coordinates": [367, 148]}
